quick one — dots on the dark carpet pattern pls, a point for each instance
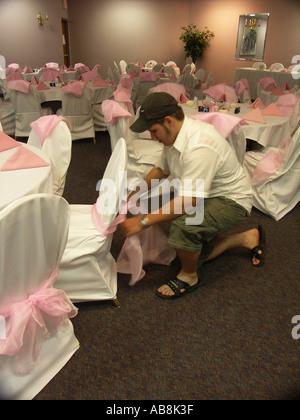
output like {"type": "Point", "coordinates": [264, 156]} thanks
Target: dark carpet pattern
{"type": "Point", "coordinates": [229, 340]}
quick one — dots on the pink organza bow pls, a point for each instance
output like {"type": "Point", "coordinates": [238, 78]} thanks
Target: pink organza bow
{"type": "Point", "coordinates": [30, 322]}
{"type": "Point", "coordinates": [99, 223]}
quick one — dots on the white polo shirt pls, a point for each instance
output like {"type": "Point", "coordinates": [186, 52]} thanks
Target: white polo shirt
{"type": "Point", "coordinates": [201, 153]}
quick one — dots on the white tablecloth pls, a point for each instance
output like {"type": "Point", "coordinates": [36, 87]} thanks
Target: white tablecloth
{"type": "Point", "coordinates": [98, 94]}
{"type": "Point", "coordinates": [253, 76]}
{"type": "Point", "coordinates": [23, 182]}
{"type": "Point", "coordinates": [275, 131]}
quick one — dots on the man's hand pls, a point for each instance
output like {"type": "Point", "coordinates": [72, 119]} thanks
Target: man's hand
{"type": "Point", "coordinates": [131, 226]}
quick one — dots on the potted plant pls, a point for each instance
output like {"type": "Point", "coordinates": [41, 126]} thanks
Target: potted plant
{"type": "Point", "coordinates": [195, 41]}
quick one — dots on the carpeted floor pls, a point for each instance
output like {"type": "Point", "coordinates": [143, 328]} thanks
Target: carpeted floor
{"type": "Point", "coordinates": [230, 340]}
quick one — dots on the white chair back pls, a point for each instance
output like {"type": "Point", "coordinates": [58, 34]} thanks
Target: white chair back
{"type": "Point", "coordinates": [34, 232]}
{"type": "Point", "coordinates": [58, 146]}
{"type": "Point", "coordinates": [79, 111]}
{"type": "Point", "coordinates": [27, 109]}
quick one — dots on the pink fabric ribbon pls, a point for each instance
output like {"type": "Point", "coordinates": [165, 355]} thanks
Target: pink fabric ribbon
{"type": "Point", "coordinates": [269, 164]}
{"type": "Point", "coordinates": [148, 246]}
{"type": "Point", "coordinates": [123, 95]}
{"type": "Point", "coordinates": [44, 125]}
{"type": "Point", "coordinates": [223, 123]}
{"type": "Point", "coordinates": [19, 85]}
{"type": "Point", "coordinates": [112, 111]}
{"type": "Point", "coordinates": [100, 225]}
{"type": "Point", "coordinates": [30, 322]}
{"type": "Point", "coordinates": [75, 88]}
{"type": "Point", "coordinates": [242, 86]}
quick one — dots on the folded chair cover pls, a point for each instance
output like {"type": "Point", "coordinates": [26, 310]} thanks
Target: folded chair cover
{"type": "Point", "coordinates": [52, 134]}
{"type": "Point", "coordinates": [27, 109]}
{"type": "Point", "coordinates": [77, 108]}
{"type": "Point", "coordinates": [275, 175]}
{"type": "Point", "coordinates": [38, 338]}
{"type": "Point", "coordinates": [87, 269]}
{"type": "Point", "coordinates": [229, 127]}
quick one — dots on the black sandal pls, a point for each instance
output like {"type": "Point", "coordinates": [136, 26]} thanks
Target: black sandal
{"type": "Point", "coordinates": [259, 252]}
{"type": "Point", "coordinates": [177, 286]}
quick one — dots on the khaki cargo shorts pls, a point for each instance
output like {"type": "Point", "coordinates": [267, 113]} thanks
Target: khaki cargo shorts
{"type": "Point", "coordinates": [220, 215]}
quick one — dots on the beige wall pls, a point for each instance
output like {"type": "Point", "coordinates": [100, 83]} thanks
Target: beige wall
{"type": "Point", "coordinates": [23, 40]}
{"type": "Point", "coordinates": [222, 17]}
{"type": "Point", "coordinates": [132, 30]}
{"type": "Point", "coordinates": [103, 31]}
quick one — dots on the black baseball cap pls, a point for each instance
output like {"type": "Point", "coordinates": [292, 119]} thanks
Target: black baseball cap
{"type": "Point", "coordinates": [156, 106]}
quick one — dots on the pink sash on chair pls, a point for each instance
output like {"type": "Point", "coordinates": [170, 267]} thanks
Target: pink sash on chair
{"type": "Point", "coordinates": [148, 246]}
{"type": "Point", "coordinates": [269, 164]}
{"type": "Point", "coordinates": [31, 321]}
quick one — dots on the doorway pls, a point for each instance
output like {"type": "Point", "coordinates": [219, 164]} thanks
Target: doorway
{"type": "Point", "coordinates": [65, 41]}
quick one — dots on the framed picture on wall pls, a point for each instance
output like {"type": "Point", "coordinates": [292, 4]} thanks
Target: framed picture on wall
{"type": "Point", "coordinates": [251, 37]}
{"type": "Point", "coordinates": [65, 4]}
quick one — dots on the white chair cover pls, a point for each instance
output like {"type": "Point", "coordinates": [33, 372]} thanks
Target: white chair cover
{"type": "Point", "coordinates": [79, 111]}
{"type": "Point", "coordinates": [8, 118]}
{"type": "Point", "coordinates": [200, 75]}
{"type": "Point", "coordinates": [34, 233]}
{"type": "Point", "coordinates": [27, 109]}
{"type": "Point", "coordinates": [276, 67]}
{"type": "Point", "coordinates": [279, 191]}
{"type": "Point", "coordinates": [87, 269]}
{"type": "Point", "coordinates": [53, 136]}
{"type": "Point", "coordinates": [142, 154]}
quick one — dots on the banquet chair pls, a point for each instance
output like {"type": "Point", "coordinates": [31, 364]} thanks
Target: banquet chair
{"type": "Point", "coordinates": [259, 66]}
{"type": "Point", "coordinates": [275, 177]}
{"type": "Point", "coordinates": [39, 338]}
{"type": "Point", "coordinates": [158, 68]}
{"type": "Point", "coordinates": [243, 91]}
{"type": "Point", "coordinates": [87, 268]}
{"type": "Point", "coordinates": [52, 134]}
{"type": "Point", "coordinates": [79, 111]}
{"type": "Point", "coordinates": [27, 109]}
{"type": "Point", "coordinates": [169, 72]}
{"type": "Point", "coordinates": [276, 66]}
{"type": "Point", "coordinates": [187, 69]}
{"type": "Point", "coordinates": [142, 152]}
{"type": "Point", "coordinates": [200, 76]}
{"type": "Point", "coordinates": [290, 105]}
{"type": "Point", "coordinates": [8, 118]}
{"type": "Point", "coordinates": [188, 81]}
{"type": "Point", "coordinates": [229, 126]}
{"type": "Point", "coordinates": [123, 65]}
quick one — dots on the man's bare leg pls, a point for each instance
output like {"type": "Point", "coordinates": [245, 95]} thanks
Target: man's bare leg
{"type": "Point", "coordinates": [189, 260]}
{"type": "Point", "coordinates": [249, 240]}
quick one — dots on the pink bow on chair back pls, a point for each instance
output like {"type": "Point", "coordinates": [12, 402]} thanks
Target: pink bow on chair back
{"type": "Point", "coordinates": [29, 323]}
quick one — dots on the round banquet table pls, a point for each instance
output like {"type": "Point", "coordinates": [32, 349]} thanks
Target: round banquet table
{"type": "Point", "coordinates": [275, 131]}
{"type": "Point", "coordinates": [20, 183]}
